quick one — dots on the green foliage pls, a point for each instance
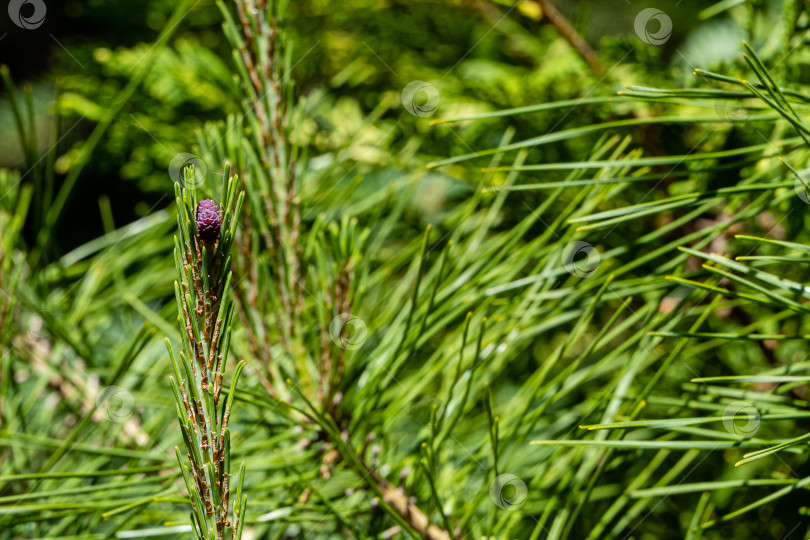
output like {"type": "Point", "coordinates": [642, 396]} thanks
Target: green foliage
{"type": "Point", "coordinates": [549, 311]}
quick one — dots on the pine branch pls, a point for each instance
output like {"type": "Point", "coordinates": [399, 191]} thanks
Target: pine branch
{"type": "Point", "coordinates": [205, 315]}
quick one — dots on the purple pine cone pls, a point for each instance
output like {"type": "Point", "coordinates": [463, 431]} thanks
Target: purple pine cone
{"type": "Point", "coordinates": [208, 221]}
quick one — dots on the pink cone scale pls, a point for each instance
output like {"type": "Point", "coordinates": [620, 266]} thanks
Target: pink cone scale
{"type": "Point", "coordinates": [208, 221]}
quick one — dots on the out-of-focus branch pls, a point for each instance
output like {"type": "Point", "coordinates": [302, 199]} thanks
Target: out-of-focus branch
{"type": "Point", "coordinates": [411, 513]}
{"type": "Point", "coordinates": [572, 36]}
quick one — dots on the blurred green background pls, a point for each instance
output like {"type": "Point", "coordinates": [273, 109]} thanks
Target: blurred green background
{"type": "Point", "coordinates": [351, 61]}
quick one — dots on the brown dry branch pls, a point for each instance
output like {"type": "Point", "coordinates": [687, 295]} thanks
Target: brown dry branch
{"type": "Point", "coordinates": [411, 513]}
{"type": "Point", "coordinates": [572, 36]}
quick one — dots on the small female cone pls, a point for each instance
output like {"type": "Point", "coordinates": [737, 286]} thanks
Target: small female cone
{"type": "Point", "coordinates": [209, 222]}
